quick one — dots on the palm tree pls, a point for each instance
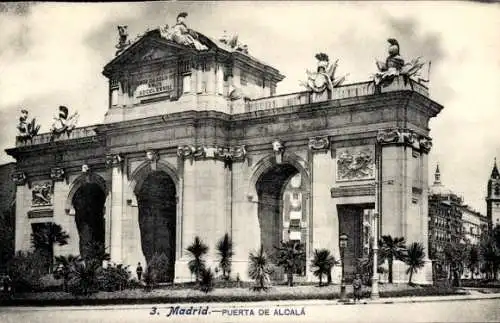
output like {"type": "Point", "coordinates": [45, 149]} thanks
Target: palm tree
{"type": "Point", "coordinates": [291, 256]}
{"type": "Point", "coordinates": [43, 240]}
{"type": "Point", "coordinates": [391, 249]}
{"type": "Point", "coordinates": [97, 251]}
{"type": "Point", "coordinates": [225, 251]}
{"type": "Point", "coordinates": [322, 264]}
{"type": "Point", "coordinates": [197, 250]}
{"type": "Point", "coordinates": [260, 268]}
{"type": "Point", "coordinates": [414, 258]}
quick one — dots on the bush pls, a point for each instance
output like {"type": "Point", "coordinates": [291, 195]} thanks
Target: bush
{"type": "Point", "coordinates": [158, 267]}
{"type": "Point", "coordinates": [206, 280]}
{"type": "Point", "coordinates": [25, 270]}
{"type": "Point", "coordinates": [83, 277]}
{"type": "Point", "coordinates": [113, 277]}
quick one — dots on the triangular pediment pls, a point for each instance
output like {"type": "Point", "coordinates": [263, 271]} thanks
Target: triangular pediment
{"type": "Point", "coordinates": [146, 50]}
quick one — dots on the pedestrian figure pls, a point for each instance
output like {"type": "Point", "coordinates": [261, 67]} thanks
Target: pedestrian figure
{"type": "Point", "coordinates": [139, 271]}
{"type": "Point", "coordinates": [356, 286]}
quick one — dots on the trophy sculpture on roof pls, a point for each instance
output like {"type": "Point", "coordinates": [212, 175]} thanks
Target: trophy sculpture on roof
{"type": "Point", "coordinates": [65, 123]}
{"type": "Point", "coordinates": [27, 130]}
{"type": "Point", "coordinates": [324, 78]}
{"type": "Point", "coordinates": [395, 66]}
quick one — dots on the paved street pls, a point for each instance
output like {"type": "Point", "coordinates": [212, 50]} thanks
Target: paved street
{"type": "Point", "coordinates": [487, 310]}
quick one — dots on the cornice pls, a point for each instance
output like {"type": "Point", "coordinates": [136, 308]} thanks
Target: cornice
{"type": "Point", "coordinates": [354, 190]}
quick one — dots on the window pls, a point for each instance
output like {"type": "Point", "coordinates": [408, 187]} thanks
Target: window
{"type": "Point", "coordinates": [497, 189]}
{"type": "Point", "coordinates": [243, 78]}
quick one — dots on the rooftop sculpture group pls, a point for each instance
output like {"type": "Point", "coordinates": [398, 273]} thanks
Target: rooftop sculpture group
{"type": "Point", "coordinates": [395, 65]}
{"type": "Point", "coordinates": [64, 123]}
{"type": "Point", "coordinates": [27, 130]}
{"type": "Point", "coordinates": [324, 77]}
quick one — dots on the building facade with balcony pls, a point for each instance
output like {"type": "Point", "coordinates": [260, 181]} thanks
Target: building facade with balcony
{"type": "Point", "coordinates": [445, 217]}
{"type": "Point", "coordinates": [196, 143]}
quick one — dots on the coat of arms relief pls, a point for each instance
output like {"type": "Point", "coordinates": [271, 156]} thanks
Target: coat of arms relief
{"type": "Point", "coordinates": [355, 163]}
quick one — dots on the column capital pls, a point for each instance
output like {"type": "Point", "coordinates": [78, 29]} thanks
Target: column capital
{"type": "Point", "coordinates": [227, 154]}
{"type": "Point", "coordinates": [319, 143]}
{"type": "Point", "coordinates": [406, 137]}
{"type": "Point", "coordinates": [19, 178]}
{"type": "Point", "coordinates": [114, 160]}
{"type": "Point", "coordinates": [57, 174]}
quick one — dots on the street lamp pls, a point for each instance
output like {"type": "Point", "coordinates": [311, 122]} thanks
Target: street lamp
{"type": "Point", "coordinates": [343, 245]}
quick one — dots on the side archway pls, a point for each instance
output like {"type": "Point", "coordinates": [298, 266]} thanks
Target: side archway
{"type": "Point", "coordinates": [87, 198]}
{"type": "Point", "coordinates": [156, 194]}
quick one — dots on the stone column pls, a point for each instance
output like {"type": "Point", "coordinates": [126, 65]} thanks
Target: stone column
{"type": "Point", "coordinates": [323, 220]}
{"type": "Point", "coordinates": [220, 79]}
{"type": "Point", "coordinates": [115, 163]}
{"type": "Point", "coordinates": [19, 178]}
{"type": "Point", "coordinates": [210, 77]}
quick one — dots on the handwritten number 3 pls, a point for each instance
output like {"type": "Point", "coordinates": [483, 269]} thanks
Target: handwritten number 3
{"type": "Point", "coordinates": [153, 311]}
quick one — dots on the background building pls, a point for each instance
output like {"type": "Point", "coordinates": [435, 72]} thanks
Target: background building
{"type": "Point", "coordinates": [493, 197]}
{"type": "Point", "coordinates": [445, 216]}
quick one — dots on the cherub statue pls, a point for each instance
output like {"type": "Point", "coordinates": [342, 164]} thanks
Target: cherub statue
{"type": "Point", "coordinates": [123, 42]}
{"type": "Point", "coordinates": [324, 77]}
{"type": "Point", "coordinates": [64, 124]}
{"type": "Point", "coordinates": [27, 130]}
{"type": "Point", "coordinates": [395, 65]}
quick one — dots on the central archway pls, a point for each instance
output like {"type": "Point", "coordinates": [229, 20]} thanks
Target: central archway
{"type": "Point", "coordinates": [281, 209]}
{"type": "Point", "coordinates": [88, 202]}
{"type": "Point", "coordinates": [156, 199]}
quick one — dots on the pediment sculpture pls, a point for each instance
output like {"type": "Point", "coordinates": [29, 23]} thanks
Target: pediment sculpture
{"type": "Point", "coordinates": [395, 65]}
{"type": "Point", "coordinates": [123, 41]}
{"type": "Point", "coordinates": [181, 34]}
{"type": "Point", "coordinates": [64, 123]}
{"type": "Point", "coordinates": [233, 42]}
{"type": "Point", "coordinates": [323, 79]}
{"type": "Point", "coordinates": [27, 130]}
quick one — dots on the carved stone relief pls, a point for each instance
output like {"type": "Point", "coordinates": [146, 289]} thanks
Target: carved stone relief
{"type": "Point", "coordinates": [41, 194]}
{"type": "Point", "coordinates": [355, 163]}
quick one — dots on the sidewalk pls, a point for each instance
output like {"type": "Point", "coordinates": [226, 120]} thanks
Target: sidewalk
{"type": "Point", "coordinates": [266, 304]}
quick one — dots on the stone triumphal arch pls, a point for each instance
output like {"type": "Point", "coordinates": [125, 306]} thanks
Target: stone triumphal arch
{"type": "Point", "coordinates": [195, 142]}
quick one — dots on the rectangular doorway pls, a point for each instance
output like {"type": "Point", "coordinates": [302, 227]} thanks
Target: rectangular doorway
{"type": "Point", "coordinates": [351, 218]}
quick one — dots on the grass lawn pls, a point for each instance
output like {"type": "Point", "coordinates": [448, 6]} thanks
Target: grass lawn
{"type": "Point", "coordinates": [184, 294]}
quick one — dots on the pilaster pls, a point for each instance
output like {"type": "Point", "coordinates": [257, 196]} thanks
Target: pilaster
{"type": "Point", "coordinates": [117, 201]}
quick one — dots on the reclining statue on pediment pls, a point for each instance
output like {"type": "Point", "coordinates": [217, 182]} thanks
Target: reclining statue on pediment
{"type": "Point", "coordinates": [181, 34]}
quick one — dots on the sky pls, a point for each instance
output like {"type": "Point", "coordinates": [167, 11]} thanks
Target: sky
{"type": "Point", "coordinates": [52, 54]}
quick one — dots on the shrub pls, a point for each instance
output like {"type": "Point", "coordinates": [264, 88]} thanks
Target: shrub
{"type": "Point", "coordinates": [83, 277]}
{"type": "Point", "coordinates": [25, 271]}
{"type": "Point", "coordinates": [157, 267]}
{"type": "Point", "coordinates": [113, 278]}
{"type": "Point", "coordinates": [206, 280]}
